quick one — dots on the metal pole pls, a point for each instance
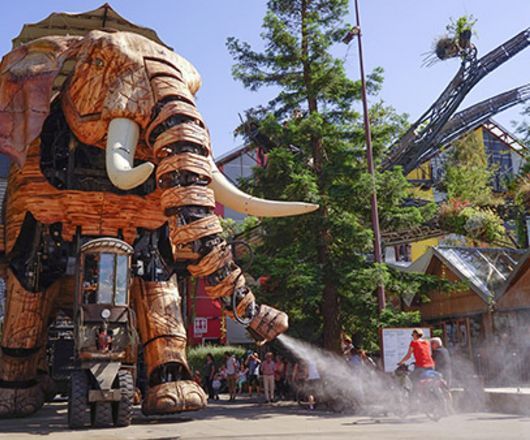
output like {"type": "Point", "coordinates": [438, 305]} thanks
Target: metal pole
{"type": "Point", "coordinates": [370, 161]}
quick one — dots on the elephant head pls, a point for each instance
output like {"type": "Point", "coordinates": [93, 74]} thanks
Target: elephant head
{"type": "Point", "coordinates": [122, 89]}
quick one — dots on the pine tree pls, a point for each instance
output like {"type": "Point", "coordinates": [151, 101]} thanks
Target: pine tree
{"type": "Point", "coordinates": [317, 266]}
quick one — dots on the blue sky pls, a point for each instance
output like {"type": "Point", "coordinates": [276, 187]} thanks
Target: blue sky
{"type": "Point", "coordinates": [395, 35]}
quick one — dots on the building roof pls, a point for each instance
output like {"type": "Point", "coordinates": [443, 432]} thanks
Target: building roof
{"type": "Point", "coordinates": [520, 269]}
{"type": "Point", "coordinates": [233, 154]}
{"type": "Point", "coordinates": [487, 270]}
{"type": "Point", "coordinates": [505, 136]}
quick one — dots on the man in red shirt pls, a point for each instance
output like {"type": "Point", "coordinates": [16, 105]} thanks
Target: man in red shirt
{"type": "Point", "coordinates": [421, 349]}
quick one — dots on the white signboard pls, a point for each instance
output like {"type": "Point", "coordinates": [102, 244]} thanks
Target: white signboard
{"type": "Point", "coordinates": [200, 326]}
{"type": "Point", "coordinates": [396, 343]}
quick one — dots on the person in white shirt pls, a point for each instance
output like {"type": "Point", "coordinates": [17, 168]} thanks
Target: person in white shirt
{"type": "Point", "coordinates": [313, 383]}
{"type": "Point", "coordinates": [232, 370]}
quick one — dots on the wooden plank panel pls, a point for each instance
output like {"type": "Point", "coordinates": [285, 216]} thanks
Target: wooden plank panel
{"type": "Point", "coordinates": [97, 213]}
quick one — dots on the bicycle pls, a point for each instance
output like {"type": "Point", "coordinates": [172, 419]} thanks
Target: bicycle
{"type": "Point", "coordinates": [429, 394]}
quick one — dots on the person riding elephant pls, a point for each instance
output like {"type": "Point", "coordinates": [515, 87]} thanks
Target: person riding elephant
{"type": "Point", "coordinates": [107, 141]}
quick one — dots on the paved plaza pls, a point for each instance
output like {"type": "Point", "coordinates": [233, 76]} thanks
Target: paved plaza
{"type": "Point", "coordinates": [252, 420]}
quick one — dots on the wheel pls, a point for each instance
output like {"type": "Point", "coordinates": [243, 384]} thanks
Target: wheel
{"type": "Point", "coordinates": [102, 415]}
{"type": "Point", "coordinates": [300, 398]}
{"type": "Point", "coordinates": [123, 408]}
{"type": "Point", "coordinates": [337, 405]}
{"type": "Point", "coordinates": [435, 403]}
{"type": "Point", "coordinates": [303, 399]}
{"type": "Point", "coordinates": [402, 403]}
{"type": "Point", "coordinates": [78, 406]}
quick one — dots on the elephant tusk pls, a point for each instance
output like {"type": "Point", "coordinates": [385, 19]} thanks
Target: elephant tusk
{"type": "Point", "coordinates": [227, 194]}
{"type": "Point", "coordinates": [122, 138]}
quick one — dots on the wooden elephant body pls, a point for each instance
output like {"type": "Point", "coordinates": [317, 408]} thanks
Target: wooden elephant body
{"type": "Point", "coordinates": [85, 158]}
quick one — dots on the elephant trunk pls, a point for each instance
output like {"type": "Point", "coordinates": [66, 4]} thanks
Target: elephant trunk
{"type": "Point", "coordinates": [180, 141]}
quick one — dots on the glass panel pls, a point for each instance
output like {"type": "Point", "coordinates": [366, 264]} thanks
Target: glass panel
{"type": "Point", "coordinates": [486, 269]}
{"type": "Point", "coordinates": [499, 159]}
{"type": "Point", "coordinates": [106, 278]}
{"type": "Point", "coordinates": [4, 165]}
{"type": "Point", "coordinates": [248, 163]}
{"type": "Point", "coordinates": [232, 169]}
{"type": "Point", "coordinates": [121, 280]}
{"type": "Point", "coordinates": [90, 278]}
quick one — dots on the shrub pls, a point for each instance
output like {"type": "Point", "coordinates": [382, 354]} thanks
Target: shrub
{"type": "Point", "coordinates": [483, 224]}
{"type": "Point", "coordinates": [477, 223]}
{"type": "Point", "coordinates": [197, 355]}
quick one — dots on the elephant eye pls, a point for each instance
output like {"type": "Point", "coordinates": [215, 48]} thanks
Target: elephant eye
{"type": "Point", "coordinates": [99, 62]}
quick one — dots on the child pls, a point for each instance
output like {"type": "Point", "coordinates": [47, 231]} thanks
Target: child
{"type": "Point", "coordinates": [216, 385]}
{"type": "Point", "coordinates": [241, 378]}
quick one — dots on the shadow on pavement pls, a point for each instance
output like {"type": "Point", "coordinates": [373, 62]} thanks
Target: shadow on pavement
{"type": "Point", "coordinates": [501, 417]}
{"type": "Point", "coordinates": [387, 421]}
{"type": "Point", "coordinates": [252, 409]}
{"type": "Point", "coordinates": [52, 418]}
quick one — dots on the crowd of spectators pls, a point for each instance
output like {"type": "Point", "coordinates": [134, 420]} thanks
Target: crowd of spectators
{"type": "Point", "coordinates": [270, 376]}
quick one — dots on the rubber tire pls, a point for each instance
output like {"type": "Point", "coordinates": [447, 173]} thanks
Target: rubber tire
{"type": "Point", "coordinates": [337, 405]}
{"type": "Point", "coordinates": [435, 404]}
{"type": "Point", "coordinates": [402, 403]}
{"type": "Point", "coordinates": [124, 408]}
{"type": "Point", "coordinates": [78, 405]}
{"type": "Point", "coordinates": [102, 415]}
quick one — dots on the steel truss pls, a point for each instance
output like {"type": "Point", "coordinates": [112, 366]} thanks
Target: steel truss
{"type": "Point", "coordinates": [435, 128]}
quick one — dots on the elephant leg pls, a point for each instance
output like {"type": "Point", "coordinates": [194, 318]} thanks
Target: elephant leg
{"type": "Point", "coordinates": [181, 144]}
{"type": "Point", "coordinates": [21, 349]}
{"type": "Point", "coordinates": [170, 385]}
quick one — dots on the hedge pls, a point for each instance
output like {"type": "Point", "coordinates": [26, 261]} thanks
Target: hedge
{"type": "Point", "coordinates": [197, 355]}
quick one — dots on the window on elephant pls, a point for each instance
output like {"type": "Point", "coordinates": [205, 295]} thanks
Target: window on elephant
{"type": "Point", "coordinates": [122, 268]}
{"type": "Point", "coordinates": [4, 166]}
{"type": "Point", "coordinates": [106, 278]}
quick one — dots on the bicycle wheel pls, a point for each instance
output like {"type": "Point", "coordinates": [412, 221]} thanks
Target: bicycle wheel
{"type": "Point", "coordinates": [435, 405]}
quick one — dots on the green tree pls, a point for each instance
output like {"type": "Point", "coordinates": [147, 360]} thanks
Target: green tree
{"type": "Point", "coordinates": [520, 189]}
{"type": "Point", "coordinates": [316, 265]}
{"type": "Point", "coordinates": [468, 177]}
{"type": "Point", "coordinates": [468, 210]}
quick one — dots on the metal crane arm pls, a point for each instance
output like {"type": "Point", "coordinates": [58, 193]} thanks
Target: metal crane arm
{"type": "Point", "coordinates": [412, 147]}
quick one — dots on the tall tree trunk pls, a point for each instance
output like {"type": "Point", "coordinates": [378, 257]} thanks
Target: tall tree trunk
{"type": "Point", "coordinates": [330, 299]}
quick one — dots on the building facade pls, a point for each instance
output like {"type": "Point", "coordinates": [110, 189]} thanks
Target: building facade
{"type": "Point", "coordinates": [505, 154]}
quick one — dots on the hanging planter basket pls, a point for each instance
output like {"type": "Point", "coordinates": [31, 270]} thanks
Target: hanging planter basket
{"type": "Point", "coordinates": [446, 48]}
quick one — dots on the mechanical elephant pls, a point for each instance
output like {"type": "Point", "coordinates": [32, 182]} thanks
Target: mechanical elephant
{"type": "Point", "coordinates": [107, 141]}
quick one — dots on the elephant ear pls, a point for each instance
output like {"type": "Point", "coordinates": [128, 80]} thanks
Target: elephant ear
{"type": "Point", "coordinates": [26, 80]}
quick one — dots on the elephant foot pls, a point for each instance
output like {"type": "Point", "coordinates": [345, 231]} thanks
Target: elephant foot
{"type": "Point", "coordinates": [20, 402]}
{"type": "Point", "coordinates": [268, 324]}
{"type": "Point", "coordinates": [174, 397]}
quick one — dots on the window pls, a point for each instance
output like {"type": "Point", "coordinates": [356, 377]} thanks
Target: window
{"type": "Point", "coordinates": [121, 280]}
{"type": "Point", "coordinates": [4, 166]}
{"type": "Point", "coordinates": [241, 167]}
{"type": "Point", "coordinates": [403, 252]}
{"type": "Point", "coordinates": [499, 160]}
{"type": "Point", "coordinates": [105, 279]}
